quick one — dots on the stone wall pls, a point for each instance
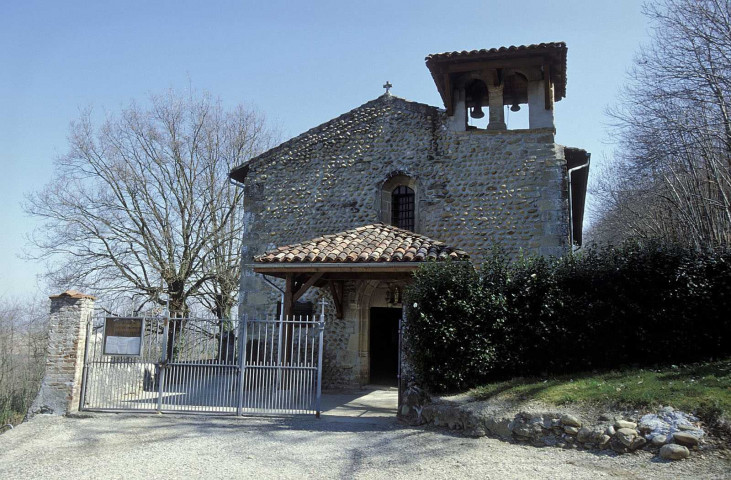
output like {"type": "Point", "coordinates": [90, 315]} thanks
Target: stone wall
{"type": "Point", "coordinates": [670, 433]}
{"type": "Point", "coordinates": [345, 359]}
{"type": "Point", "coordinates": [61, 386]}
{"type": "Point", "coordinates": [473, 189]}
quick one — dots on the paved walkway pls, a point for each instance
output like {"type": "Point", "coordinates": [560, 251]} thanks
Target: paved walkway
{"type": "Point", "coordinates": [371, 402]}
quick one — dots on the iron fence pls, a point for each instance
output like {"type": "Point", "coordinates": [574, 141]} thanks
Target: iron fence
{"type": "Point", "coordinates": [251, 366]}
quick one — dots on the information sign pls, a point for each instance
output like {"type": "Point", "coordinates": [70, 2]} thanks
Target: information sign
{"type": "Point", "coordinates": [123, 336]}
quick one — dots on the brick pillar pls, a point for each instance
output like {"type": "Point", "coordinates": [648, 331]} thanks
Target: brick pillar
{"type": "Point", "coordinates": [61, 385]}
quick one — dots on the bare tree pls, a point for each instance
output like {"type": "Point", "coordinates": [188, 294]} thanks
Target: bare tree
{"type": "Point", "coordinates": [672, 176]}
{"type": "Point", "coordinates": [141, 207]}
{"type": "Point", "coordinates": [23, 338]}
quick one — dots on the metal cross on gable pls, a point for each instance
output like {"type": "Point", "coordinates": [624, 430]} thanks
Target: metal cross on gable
{"type": "Point", "coordinates": [387, 86]}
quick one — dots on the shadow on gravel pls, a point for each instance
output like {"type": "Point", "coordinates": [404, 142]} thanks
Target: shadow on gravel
{"type": "Point", "coordinates": [374, 440]}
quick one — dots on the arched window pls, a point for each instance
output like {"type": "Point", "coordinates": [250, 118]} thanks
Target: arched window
{"type": "Point", "coordinates": [403, 207]}
{"type": "Point", "coordinates": [399, 201]}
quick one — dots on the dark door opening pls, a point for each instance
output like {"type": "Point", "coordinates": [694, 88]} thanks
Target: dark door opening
{"type": "Point", "coordinates": [384, 345]}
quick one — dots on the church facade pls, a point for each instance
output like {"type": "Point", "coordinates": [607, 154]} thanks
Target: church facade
{"type": "Point", "coordinates": [349, 209]}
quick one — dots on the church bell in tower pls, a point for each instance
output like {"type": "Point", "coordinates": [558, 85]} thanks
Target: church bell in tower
{"type": "Point", "coordinates": [476, 93]}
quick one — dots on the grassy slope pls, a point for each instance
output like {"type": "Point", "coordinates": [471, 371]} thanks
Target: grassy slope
{"type": "Point", "coordinates": [704, 388]}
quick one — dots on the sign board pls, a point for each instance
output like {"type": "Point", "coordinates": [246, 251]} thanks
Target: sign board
{"type": "Point", "coordinates": [123, 336]}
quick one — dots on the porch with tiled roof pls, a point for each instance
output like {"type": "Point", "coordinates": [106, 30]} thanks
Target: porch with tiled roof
{"type": "Point", "coordinates": [371, 252]}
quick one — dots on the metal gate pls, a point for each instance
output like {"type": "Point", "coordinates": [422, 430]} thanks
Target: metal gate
{"type": "Point", "coordinates": [195, 365]}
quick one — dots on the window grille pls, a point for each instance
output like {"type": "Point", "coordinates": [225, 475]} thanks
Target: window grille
{"type": "Point", "coordinates": [402, 207]}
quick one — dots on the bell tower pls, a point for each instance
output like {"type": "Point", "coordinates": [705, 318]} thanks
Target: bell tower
{"type": "Point", "coordinates": [470, 81]}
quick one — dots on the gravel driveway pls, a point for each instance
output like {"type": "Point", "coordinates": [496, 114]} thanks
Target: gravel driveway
{"type": "Point", "coordinates": [112, 446]}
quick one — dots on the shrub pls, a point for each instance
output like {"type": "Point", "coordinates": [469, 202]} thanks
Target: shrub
{"type": "Point", "coordinates": [447, 309]}
{"type": "Point", "coordinates": [637, 304]}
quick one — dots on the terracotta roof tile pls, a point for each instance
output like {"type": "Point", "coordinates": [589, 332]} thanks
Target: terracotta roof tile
{"type": "Point", "coordinates": [368, 244]}
{"type": "Point", "coordinates": [73, 294]}
{"type": "Point", "coordinates": [498, 50]}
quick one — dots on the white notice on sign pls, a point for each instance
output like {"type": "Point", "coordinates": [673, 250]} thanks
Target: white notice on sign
{"type": "Point", "coordinates": [122, 345]}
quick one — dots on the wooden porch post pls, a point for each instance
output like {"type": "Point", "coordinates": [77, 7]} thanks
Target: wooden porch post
{"type": "Point", "coordinates": [288, 296]}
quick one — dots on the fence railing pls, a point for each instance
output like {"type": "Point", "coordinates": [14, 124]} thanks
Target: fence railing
{"type": "Point", "coordinates": [258, 366]}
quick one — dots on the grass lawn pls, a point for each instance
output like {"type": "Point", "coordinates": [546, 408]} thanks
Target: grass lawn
{"type": "Point", "coordinates": [704, 388]}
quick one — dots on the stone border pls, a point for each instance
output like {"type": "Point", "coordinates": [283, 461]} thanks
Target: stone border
{"type": "Point", "coordinates": [565, 430]}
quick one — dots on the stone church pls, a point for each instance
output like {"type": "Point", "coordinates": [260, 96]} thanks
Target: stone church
{"type": "Point", "coordinates": [349, 209]}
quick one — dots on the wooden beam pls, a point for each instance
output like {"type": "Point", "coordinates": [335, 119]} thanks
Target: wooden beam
{"type": "Point", "coordinates": [288, 288]}
{"type": "Point", "coordinates": [273, 268]}
{"type": "Point", "coordinates": [369, 276]}
{"type": "Point", "coordinates": [449, 93]}
{"type": "Point", "coordinates": [305, 286]}
{"type": "Point", "coordinates": [504, 63]}
{"type": "Point", "coordinates": [336, 288]}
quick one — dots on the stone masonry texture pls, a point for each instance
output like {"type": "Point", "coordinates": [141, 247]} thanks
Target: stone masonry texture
{"type": "Point", "coordinates": [474, 190]}
{"type": "Point", "coordinates": [61, 386]}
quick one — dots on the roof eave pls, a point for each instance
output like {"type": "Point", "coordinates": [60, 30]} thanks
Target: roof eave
{"type": "Point", "coordinates": [353, 267]}
{"type": "Point", "coordinates": [577, 163]}
{"type": "Point", "coordinates": [239, 173]}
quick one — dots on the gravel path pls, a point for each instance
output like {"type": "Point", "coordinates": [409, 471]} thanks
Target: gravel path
{"type": "Point", "coordinates": [112, 446]}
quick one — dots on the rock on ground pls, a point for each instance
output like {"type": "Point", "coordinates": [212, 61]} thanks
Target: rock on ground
{"type": "Point", "coordinates": [674, 452]}
{"type": "Point", "coordinates": [570, 420]}
{"type": "Point", "coordinates": [686, 438]}
{"type": "Point", "coordinates": [668, 421]}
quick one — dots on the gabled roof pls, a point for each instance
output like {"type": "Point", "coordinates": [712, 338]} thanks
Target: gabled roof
{"type": "Point", "coordinates": [375, 243]}
{"type": "Point", "coordinates": [332, 129]}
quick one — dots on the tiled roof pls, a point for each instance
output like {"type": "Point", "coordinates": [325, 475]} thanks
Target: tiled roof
{"type": "Point", "coordinates": [554, 52]}
{"type": "Point", "coordinates": [368, 244]}
{"type": "Point", "coordinates": [490, 52]}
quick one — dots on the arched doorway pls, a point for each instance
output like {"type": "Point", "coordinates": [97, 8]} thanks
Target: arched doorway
{"type": "Point", "coordinates": [379, 318]}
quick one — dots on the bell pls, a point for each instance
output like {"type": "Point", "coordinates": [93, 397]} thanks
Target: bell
{"type": "Point", "coordinates": [515, 107]}
{"type": "Point", "coordinates": [477, 112]}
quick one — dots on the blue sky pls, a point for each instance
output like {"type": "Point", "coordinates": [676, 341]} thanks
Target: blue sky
{"type": "Point", "coordinates": [302, 63]}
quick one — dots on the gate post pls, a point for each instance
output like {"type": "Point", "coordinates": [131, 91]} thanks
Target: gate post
{"type": "Point", "coordinates": [163, 365]}
{"type": "Point", "coordinates": [243, 332]}
{"type": "Point", "coordinates": [320, 332]}
{"type": "Point", "coordinates": [60, 391]}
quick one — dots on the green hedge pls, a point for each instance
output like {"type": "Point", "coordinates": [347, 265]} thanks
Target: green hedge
{"type": "Point", "coordinates": [638, 304]}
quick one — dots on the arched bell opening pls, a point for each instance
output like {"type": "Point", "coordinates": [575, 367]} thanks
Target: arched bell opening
{"type": "Point", "coordinates": [515, 98]}
{"type": "Point", "coordinates": [476, 98]}
{"type": "Point", "coordinates": [506, 80]}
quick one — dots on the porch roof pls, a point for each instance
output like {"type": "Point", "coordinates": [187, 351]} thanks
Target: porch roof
{"type": "Point", "coordinates": [376, 243]}
{"type": "Point", "coordinates": [372, 252]}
